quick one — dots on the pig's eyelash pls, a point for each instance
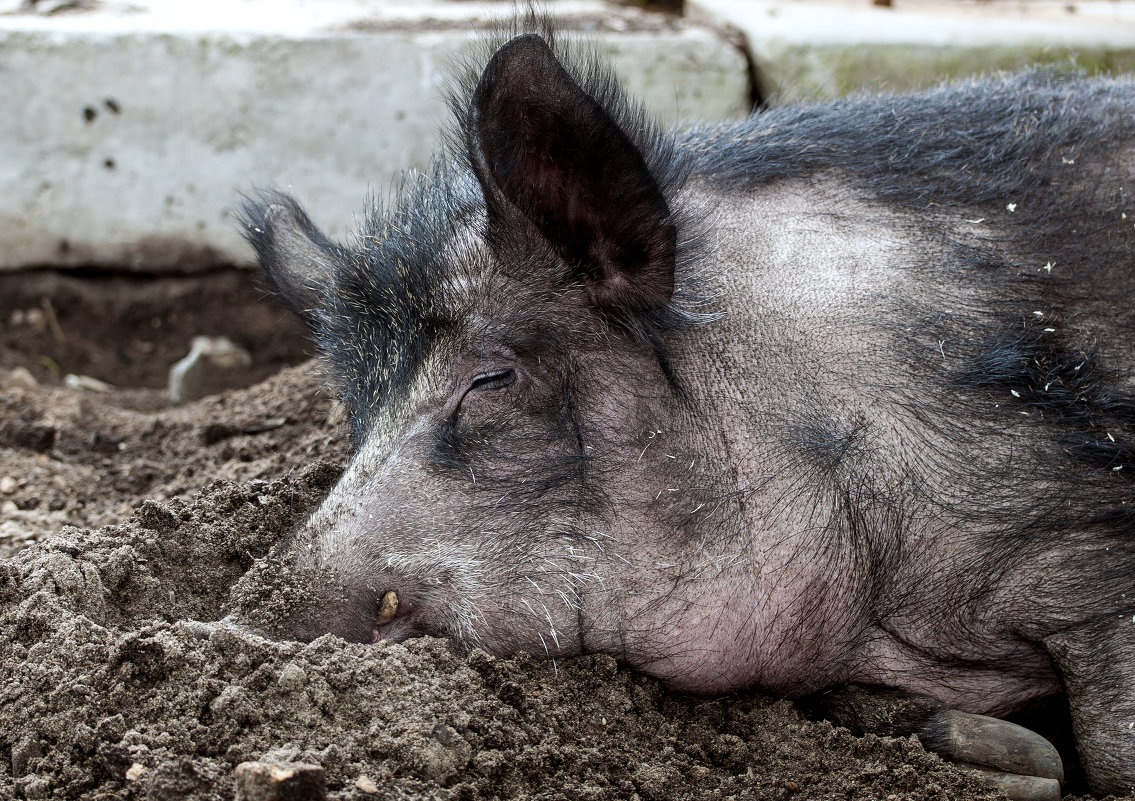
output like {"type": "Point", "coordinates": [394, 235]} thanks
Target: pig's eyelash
{"type": "Point", "coordinates": [495, 380]}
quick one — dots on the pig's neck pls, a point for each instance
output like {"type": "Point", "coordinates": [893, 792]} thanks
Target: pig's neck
{"type": "Point", "coordinates": [714, 580]}
{"type": "Point", "coordinates": [740, 600]}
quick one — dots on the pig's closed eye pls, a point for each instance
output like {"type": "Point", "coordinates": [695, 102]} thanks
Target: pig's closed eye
{"type": "Point", "coordinates": [495, 380]}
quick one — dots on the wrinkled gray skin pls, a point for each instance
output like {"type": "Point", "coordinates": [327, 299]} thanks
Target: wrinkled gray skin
{"type": "Point", "coordinates": [830, 396]}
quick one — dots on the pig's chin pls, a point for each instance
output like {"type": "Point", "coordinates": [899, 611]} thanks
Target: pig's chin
{"type": "Point", "coordinates": [700, 678]}
{"type": "Point", "coordinates": [405, 628]}
{"type": "Point", "coordinates": [491, 628]}
{"type": "Point", "coordinates": [395, 631]}
{"type": "Point", "coordinates": [414, 615]}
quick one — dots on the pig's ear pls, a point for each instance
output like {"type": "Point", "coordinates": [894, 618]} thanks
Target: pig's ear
{"type": "Point", "coordinates": [543, 147]}
{"type": "Point", "coordinates": [296, 260]}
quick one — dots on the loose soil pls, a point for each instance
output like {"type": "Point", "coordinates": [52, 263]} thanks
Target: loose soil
{"type": "Point", "coordinates": [124, 522]}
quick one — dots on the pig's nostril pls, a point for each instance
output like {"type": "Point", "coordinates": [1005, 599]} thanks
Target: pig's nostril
{"type": "Point", "coordinates": [387, 608]}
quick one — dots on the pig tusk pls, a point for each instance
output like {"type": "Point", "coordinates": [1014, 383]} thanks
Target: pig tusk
{"type": "Point", "coordinates": [387, 608]}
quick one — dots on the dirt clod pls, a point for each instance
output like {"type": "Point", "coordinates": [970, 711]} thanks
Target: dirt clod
{"type": "Point", "coordinates": [280, 781]}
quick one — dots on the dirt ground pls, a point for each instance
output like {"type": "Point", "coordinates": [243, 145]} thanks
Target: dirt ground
{"type": "Point", "coordinates": [124, 521]}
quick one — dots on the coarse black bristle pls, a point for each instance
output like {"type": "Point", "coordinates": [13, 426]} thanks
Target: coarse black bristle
{"type": "Point", "coordinates": [972, 146]}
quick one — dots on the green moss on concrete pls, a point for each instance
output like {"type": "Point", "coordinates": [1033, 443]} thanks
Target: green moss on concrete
{"type": "Point", "coordinates": [800, 72]}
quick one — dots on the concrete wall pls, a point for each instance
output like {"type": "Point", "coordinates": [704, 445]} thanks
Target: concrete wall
{"type": "Point", "coordinates": [810, 49]}
{"type": "Point", "coordinates": [129, 131]}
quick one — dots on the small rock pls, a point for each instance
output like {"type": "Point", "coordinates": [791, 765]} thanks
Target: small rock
{"type": "Point", "coordinates": [280, 781]}
{"type": "Point", "coordinates": [86, 382]}
{"type": "Point", "coordinates": [20, 378]}
{"type": "Point", "coordinates": [8, 485]}
{"type": "Point", "coordinates": [213, 365]}
{"type": "Point", "coordinates": [33, 436]}
{"type": "Point", "coordinates": [136, 772]}
{"type": "Point", "coordinates": [365, 784]}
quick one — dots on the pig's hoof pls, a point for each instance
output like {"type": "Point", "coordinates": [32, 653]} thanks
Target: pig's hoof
{"type": "Point", "coordinates": [1009, 757]}
{"type": "Point", "coordinates": [1015, 786]}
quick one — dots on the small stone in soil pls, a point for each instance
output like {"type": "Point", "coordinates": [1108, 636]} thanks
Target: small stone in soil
{"type": "Point", "coordinates": [213, 365]}
{"type": "Point", "coordinates": [20, 378]}
{"type": "Point", "coordinates": [365, 784]}
{"type": "Point", "coordinates": [280, 781]}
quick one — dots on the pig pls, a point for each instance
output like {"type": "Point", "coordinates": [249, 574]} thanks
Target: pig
{"type": "Point", "coordinates": [836, 400]}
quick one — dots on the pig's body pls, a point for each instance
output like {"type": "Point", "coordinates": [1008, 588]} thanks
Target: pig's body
{"type": "Point", "coordinates": [838, 394]}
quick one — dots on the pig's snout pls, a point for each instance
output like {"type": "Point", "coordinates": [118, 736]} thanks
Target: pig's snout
{"type": "Point", "coordinates": [393, 620]}
{"type": "Point", "coordinates": [410, 609]}
{"type": "Point", "coordinates": [321, 604]}
{"type": "Point", "coordinates": [393, 611]}
{"type": "Point", "coordinates": [306, 591]}
{"type": "Point", "coordinates": [364, 615]}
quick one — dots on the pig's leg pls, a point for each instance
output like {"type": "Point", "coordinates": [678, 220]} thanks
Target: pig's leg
{"type": "Point", "coordinates": [1096, 663]}
{"type": "Point", "coordinates": [1010, 757]}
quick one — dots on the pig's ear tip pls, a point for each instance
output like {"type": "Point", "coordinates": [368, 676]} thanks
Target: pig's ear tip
{"type": "Point", "coordinates": [267, 214]}
{"type": "Point", "coordinates": [524, 57]}
{"type": "Point", "coordinates": [271, 206]}
{"type": "Point", "coordinates": [277, 215]}
{"type": "Point", "coordinates": [526, 45]}
{"type": "Point", "coordinates": [296, 260]}
{"type": "Point", "coordinates": [252, 213]}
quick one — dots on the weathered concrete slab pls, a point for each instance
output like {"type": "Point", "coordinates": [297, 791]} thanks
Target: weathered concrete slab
{"type": "Point", "coordinates": [128, 131]}
{"type": "Point", "coordinates": [807, 49]}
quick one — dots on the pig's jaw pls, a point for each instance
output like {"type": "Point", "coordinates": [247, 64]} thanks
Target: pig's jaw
{"type": "Point", "coordinates": [738, 633]}
{"type": "Point", "coordinates": [530, 613]}
{"type": "Point", "coordinates": [395, 631]}
{"type": "Point", "coordinates": [702, 652]}
{"type": "Point", "coordinates": [719, 654]}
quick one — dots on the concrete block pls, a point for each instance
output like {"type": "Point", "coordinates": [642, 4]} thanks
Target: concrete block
{"type": "Point", "coordinates": [130, 129]}
{"type": "Point", "coordinates": [811, 49]}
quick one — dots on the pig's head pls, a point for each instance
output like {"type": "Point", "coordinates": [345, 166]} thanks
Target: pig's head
{"type": "Point", "coordinates": [502, 338]}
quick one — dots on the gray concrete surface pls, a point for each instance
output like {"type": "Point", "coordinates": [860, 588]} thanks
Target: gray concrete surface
{"type": "Point", "coordinates": [809, 49]}
{"type": "Point", "coordinates": [129, 130]}
{"type": "Point", "coordinates": [131, 126]}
